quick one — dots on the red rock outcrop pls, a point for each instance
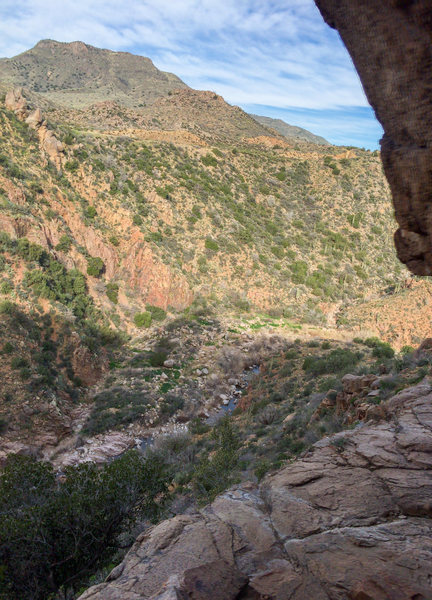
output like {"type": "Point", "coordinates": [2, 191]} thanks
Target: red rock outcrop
{"type": "Point", "coordinates": [390, 44]}
{"type": "Point", "coordinates": [349, 520]}
{"type": "Point", "coordinates": [16, 102]}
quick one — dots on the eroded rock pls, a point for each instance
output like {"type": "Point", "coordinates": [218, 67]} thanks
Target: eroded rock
{"type": "Point", "coordinates": [390, 44]}
{"type": "Point", "coordinates": [350, 520]}
{"type": "Point", "coordinates": [16, 102]}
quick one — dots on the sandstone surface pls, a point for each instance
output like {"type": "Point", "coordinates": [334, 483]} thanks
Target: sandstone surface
{"type": "Point", "coordinates": [350, 519]}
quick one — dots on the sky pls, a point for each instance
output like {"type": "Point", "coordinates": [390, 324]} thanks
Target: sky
{"type": "Point", "coordinates": [271, 57]}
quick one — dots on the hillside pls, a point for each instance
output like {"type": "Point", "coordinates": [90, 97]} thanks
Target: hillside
{"type": "Point", "coordinates": [149, 231]}
{"type": "Point", "coordinates": [77, 74]}
{"type": "Point", "coordinates": [176, 277]}
{"type": "Point", "coordinates": [290, 131]}
{"type": "Point", "coordinates": [259, 224]}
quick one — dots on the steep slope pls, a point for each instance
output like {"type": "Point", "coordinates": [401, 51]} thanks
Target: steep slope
{"type": "Point", "coordinates": [254, 225]}
{"type": "Point", "coordinates": [290, 131]}
{"type": "Point", "coordinates": [77, 75]}
{"type": "Point", "coordinates": [350, 519]}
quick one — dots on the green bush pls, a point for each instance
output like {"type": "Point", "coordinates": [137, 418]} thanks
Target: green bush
{"type": "Point", "coordinates": [8, 348]}
{"type": "Point", "coordinates": [64, 244]}
{"type": "Point", "coordinates": [278, 251]}
{"type": "Point", "coordinates": [157, 358]}
{"type": "Point", "coordinates": [171, 404]}
{"type": "Point", "coordinates": [213, 475]}
{"type": "Point", "coordinates": [337, 361]}
{"type": "Point", "coordinates": [6, 287]}
{"type": "Point", "coordinates": [56, 533]}
{"type": "Point", "coordinates": [112, 290]}
{"type": "Point", "coordinates": [95, 266]}
{"type": "Point", "coordinates": [72, 165]}
{"type": "Point", "coordinates": [143, 319]}
{"type": "Point", "coordinates": [211, 245]}
{"type": "Point", "coordinates": [380, 349]}
{"type": "Point", "coordinates": [19, 362]}
{"type": "Point", "coordinates": [157, 313]}
{"type": "Point", "coordinates": [90, 212]}
{"type": "Point", "coordinates": [209, 160]}
{"type": "Point", "coordinates": [137, 220]}
{"type": "Point", "coordinates": [299, 271]}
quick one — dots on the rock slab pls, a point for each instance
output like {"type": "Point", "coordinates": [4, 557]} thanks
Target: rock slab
{"type": "Point", "coordinates": [349, 520]}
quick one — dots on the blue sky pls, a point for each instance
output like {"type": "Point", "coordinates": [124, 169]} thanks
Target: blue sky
{"type": "Point", "coordinates": [271, 57]}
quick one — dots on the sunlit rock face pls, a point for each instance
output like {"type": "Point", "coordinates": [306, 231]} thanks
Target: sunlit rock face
{"type": "Point", "coordinates": [390, 44]}
{"type": "Point", "coordinates": [350, 520]}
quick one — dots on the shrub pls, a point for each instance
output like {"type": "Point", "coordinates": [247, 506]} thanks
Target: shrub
{"type": "Point", "coordinates": [19, 362]}
{"type": "Point", "coordinates": [143, 319]}
{"type": "Point", "coordinates": [90, 212]}
{"type": "Point", "coordinates": [112, 290]}
{"type": "Point", "coordinates": [337, 361]}
{"type": "Point", "coordinates": [211, 245]}
{"type": "Point", "coordinates": [7, 307]}
{"type": "Point", "coordinates": [299, 271]}
{"type": "Point", "coordinates": [171, 404]}
{"type": "Point", "coordinates": [72, 165]}
{"type": "Point", "coordinates": [209, 161]}
{"type": "Point", "coordinates": [214, 475]}
{"type": "Point", "coordinates": [6, 287]}
{"type": "Point", "coordinates": [137, 220]}
{"type": "Point", "coordinates": [95, 266]}
{"type": "Point", "coordinates": [157, 313]}
{"type": "Point", "coordinates": [55, 534]}
{"type": "Point", "coordinates": [8, 348]}
{"type": "Point", "coordinates": [64, 244]}
{"type": "Point", "coordinates": [380, 349]}
{"type": "Point", "coordinates": [277, 251]}
{"type": "Point", "coordinates": [157, 358]}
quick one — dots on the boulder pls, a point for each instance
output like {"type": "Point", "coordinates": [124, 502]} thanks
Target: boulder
{"type": "Point", "coordinates": [349, 520]}
{"type": "Point", "coordinates": [49, 144]}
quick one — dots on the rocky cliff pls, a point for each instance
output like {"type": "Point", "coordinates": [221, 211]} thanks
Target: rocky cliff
{"type": "Point", "coordinates": [351, 519]}
{"type": "Point", "coordinates": [390, 44]}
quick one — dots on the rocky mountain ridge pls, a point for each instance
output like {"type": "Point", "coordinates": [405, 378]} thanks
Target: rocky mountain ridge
{"type": "Point", "coordinates": [290, 131]}
{"type": "Point", "coordinates": [76, 74]}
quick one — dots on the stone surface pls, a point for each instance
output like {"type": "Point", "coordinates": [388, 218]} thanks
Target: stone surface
{"type": "Point", "coordinates": [16, 102]}
{"type": "Point", "coordinates": [349, 520]}
{"type": "Point", "coordinates": [390, 44]}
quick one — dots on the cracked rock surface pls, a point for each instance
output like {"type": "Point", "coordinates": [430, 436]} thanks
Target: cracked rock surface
{"type": "Point", "coordinates": [350, 520]}
{"type": "Point", "coordinates": [390, 44]}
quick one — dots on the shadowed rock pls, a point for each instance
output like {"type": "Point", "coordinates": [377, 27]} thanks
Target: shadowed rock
{"type": "Point", "coordinates": [390, 44]}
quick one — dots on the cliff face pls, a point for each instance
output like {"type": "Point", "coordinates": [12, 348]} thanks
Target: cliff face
{"type": "Point", "coordinates": [390, 44]}
{"type": "Point", "coordinates": [349, 520]}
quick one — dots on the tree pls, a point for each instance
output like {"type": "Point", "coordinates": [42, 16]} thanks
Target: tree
{"type": "Point", "coordinates": [54, 534]}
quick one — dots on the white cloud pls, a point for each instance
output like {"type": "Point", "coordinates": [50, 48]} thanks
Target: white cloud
{"type": "Point", "coordinates": [271, 52]}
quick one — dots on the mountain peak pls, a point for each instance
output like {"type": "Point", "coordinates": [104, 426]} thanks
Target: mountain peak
{"type": "Point", "coordinates": [76, 74]}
